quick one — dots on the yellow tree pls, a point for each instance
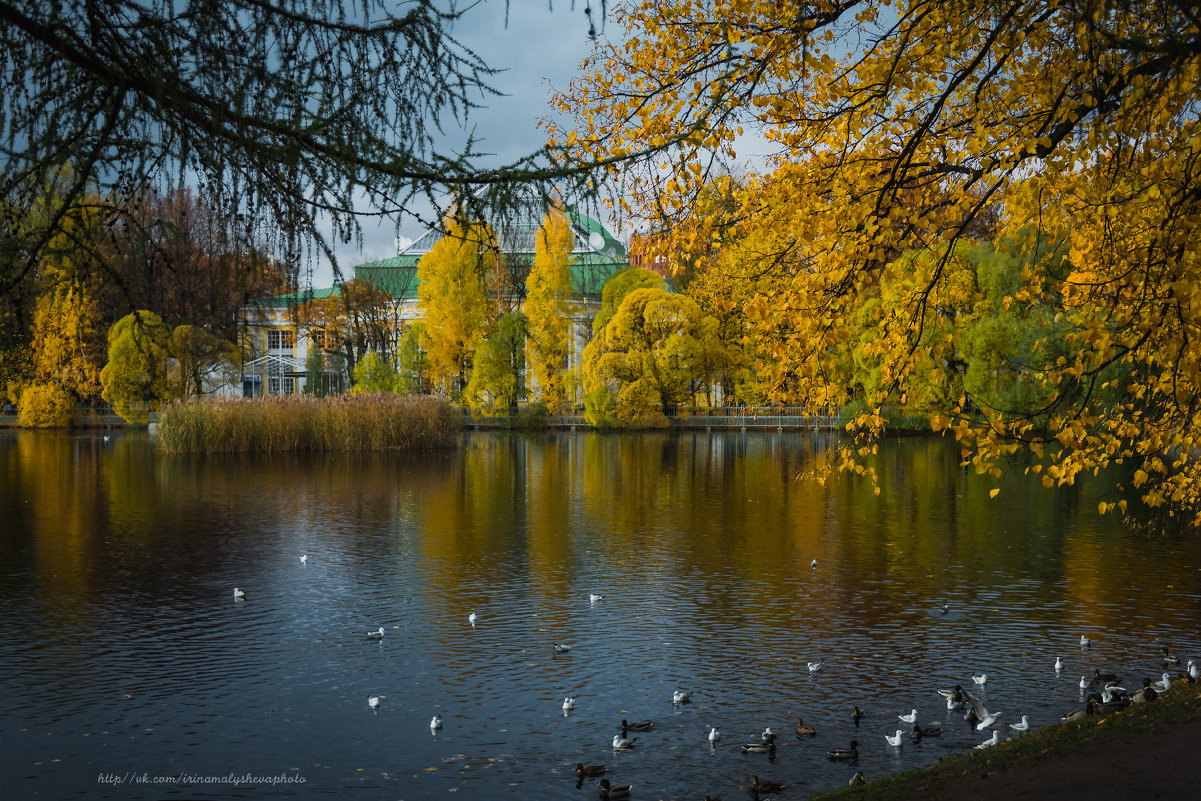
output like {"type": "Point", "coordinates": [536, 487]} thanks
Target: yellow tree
{"type": "Point", "coordinates": [138, 374]}
{"type": "Point", "coordinates": [548, 344]}
{"type": "Point", "coordinates": [451, 296]}
{"type": "Point", "coordinates": [896, 129]}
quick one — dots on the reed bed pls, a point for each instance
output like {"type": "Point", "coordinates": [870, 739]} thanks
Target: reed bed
{"type": "Point", "coordinates": [283, 423]}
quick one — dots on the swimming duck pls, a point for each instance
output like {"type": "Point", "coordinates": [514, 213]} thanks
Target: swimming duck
{"type": "Point", "coordinates": [680, 697]}
{"type": "Point", "coordinates": [918, 732]}
{"type": "Point", "coordinates": [238, 593]}
{"type": "Point", "coordinates": [980, 679]}
{"type": "Point", "coordinates": [373, 701]}
{"type": "Point", "coordinates": [765, 746]}
{"type": "Point", "coordinates": [642, 725]}
{"type": "Point", "coordinates": [991, 741]}
{"type": "Point", "coordinates": [1023, 726]}
{"type": "Point", "coordinates": [472, 618]}
{"type": "Point", "coordinates": [376, 635]}
{"type": "Point", "coordinates": [858, 780]}
{"type": "Point", "coordinates": [856, 714]}
{"type": "Point", "coordinates": [560, 648]}
{"type": "Point", "coordinates": [1059, 664]}
{"type": "Point", "coordinates": [803, 728]}
{"type": "Point", "coordinates": [955, 694]}
{"type": "Point", "coordinates": [761, 786]}
{"type": "Point", "coordinates": [623, 743]}
{"type": "Point", "coordinates": [910, 718]}
{"type": "Point", "coordinates": [589, 770]}
{"type": "Point", "coordinates": [844, 754]}
{"type": "Point", "coordinates": [1168, 659]}
{"type": "Point", "coordinates": [814, 666]}
{"type": "Point", "coordinates": [569, 703]}
{"type": "Point", "coordinates": [767, 732]}
{"type": "Point", "coordinates": [971, 717]}
{"type": "Point", "coordinates": [436, 722]}
{"type": "Point", "coordinates": [614, 790]}
{"type": "Point", "coordinates": [895, 741]}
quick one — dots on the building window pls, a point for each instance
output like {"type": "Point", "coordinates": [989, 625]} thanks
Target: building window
{"type": "Point", "coordinates": [280, 340]}
{"type": "Point", "coordinates": [317, 339]}
{"type": "Point", "coordinates": [273, 384]}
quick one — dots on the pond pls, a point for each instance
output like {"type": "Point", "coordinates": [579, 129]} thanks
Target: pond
{"type": "Point", "coordinates": [130, 670]}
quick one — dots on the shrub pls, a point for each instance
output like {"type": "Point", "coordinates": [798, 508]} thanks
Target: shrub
{"type": "Point", "coordinates": [45, 406]}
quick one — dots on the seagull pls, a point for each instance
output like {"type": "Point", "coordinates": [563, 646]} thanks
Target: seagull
{"type": "Point", "coordinates": [373, 701]}
{"type": "Point", "coordinates": [1163, 685]}
{"type": "Point", "coordinates": [681, 697]}
{"type": "Point", "coordinates": [436, 722]}
{"type": "Point", "coordinates": [238, 593]}
{"type": "Point", "coordinates": [623, 742]}
{"type": "Point", "coordinates": [814, 666]}
{"type": "Point", "coordinates": [376, 635]}
{"type": "Point", "coordinates": [1083, 682]}
{"type": "Point", "coordinates": [714, 734]}
{"type": "Point", "coordinates": [983, 677]}
{"type": "Point", "coordinates": [1058, 664]}
{"type": "Point", "coordinates": [1194, 670]}
{"type": "Point", "coordinates": [1085, 641]}
{"type": "Point", "coordinates": [560, 648]}
{"type": "Point", "coordinates": [471, 619]}
{"type": "Point", "coordinates": [896, 741]}
{"type": "Point", "coordinates": [594, 597]}
{"type": "Point", "coordinates": [1023, 726]}
{"type": "Point", "coordinates": [813, 564]}
{"type": "Point", "coordinates": [304, 558]}
{"type": "Point", "coordinates": [996, 738]}
{"type": "Point", "coordinates": [569, 703]}
{"type": "Point", "coordinates": [983, 716]}
{"type": "Point", "coordinates": [910, 718]}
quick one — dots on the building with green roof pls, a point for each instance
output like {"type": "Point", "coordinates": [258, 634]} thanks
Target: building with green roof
{"type": "Point", "coordinates": [275, 347]}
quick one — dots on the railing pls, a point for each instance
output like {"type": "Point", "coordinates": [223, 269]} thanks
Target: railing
{"type": "Point", "coordinates": [727, 418]}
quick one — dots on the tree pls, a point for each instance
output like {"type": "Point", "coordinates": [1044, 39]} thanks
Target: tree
{"type": "Point", "coordinates": [412, 365]}
{"type": "Point", "coordinates": [314, 372]}
{"type": "Point", "coordinates": [450, 294]}
{"type": "Point", "coordinates": [496, 371]}
{"type": "Point", "coordinates": [549, 318]}
{"type": "Point", "coordinates": [138, 373]}
{"type": "Point", "coordinates": [202, 361]}
{"type": "Point", "coordinates": [601, 386]}
{"type": "Point", "coordinates": [374, 373]}
{"type": "Point", "coordinates": [1076, 120]}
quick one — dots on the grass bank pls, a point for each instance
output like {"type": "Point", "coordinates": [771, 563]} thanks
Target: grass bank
{"type": "Point", "coordinates": [283, 423]}
{"type": "Point", "coordinates": [1055, 746]}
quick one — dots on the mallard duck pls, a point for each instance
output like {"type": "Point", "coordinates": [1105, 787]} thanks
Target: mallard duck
{"type": "Point", "coordinates": [856, 714]}
{"type": "Point", "coordinates": [239, 593]}
{"type": "Point", "coordinates": [844, 754]}
{"type": "Point", "coordinates": [991, 741]}
{"type": "Point", "coordinates": [1104, 678]}
{"type": "Point", "coordinates": [681, 697]}
{"type": "Point", "coordinates": [803, 729]}
{"type": "Point", "coordinates": [858, 780]}
{"type": "Point", "coordinates": [642, 725]}
{"type": "Point", "coordinates": [1088, 710]}
{"type": "Point", "coordinates": [918, 732]}
{"type": "Point", "coordinates": [761, 786]}
{"type": "Point", "coordinates": [589, 771]}
{"type": "Point", "coordinates": [897, 740]}
{"type": "Point", "coordinates": [560, 648]}
{"type": "Point", "coordinates": [608, 790]}
{"type": "Point", "coordinates": [1168, 659]}
{"type": "Point", "coordinates": [910, 718]}
{"type": "Point", "coordinates": [764, 746]}
{"type": "Point", "coordinates": [436, 722]}
{"type": "Point", "coordinates": [1147, 693]}
{"type": "Point", "coordinates": [623, 743]}
{"type": "Point", "coordinates": [378, 634]}
{"type": "Point", "coordinates": [1023, 726]}
{"type": "Point", "coordinates": [953, 694]}
{"type": "Point", "coordinates": [971, 717]}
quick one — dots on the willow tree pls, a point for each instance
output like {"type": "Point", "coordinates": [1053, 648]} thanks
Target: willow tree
{"type": "Point", "coordinates": [452, 300]}
{"type": "Point", "coordinates": [138, 374]}
{"type": "Point", "coordinates": [548, 315]}
{"type": "Point", "coordinates": [900, 128]}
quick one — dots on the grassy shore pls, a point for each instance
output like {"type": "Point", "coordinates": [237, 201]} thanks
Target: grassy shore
{"type": "Point", "coordinates": [282, 423]}
{"type": "Point", "coordinates": [1052, 743]}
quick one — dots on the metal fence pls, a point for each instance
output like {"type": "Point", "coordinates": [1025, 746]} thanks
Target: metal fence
{"type": "Point", "coordinates": [724, 418]}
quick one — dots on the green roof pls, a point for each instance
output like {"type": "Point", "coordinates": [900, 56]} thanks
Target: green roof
{"type": "Point", "coordinates": [289, 299]}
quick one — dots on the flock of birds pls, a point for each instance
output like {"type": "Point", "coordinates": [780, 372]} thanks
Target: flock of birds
{"type": "Point", "coordinates": [1102, 691]}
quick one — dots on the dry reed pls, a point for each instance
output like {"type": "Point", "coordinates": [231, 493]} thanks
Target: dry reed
{"type": "Point", "coordinates": [280, 423]}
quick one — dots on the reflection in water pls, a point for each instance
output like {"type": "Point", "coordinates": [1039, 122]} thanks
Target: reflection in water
{"type": "Point", "coordinates": [127, 654]}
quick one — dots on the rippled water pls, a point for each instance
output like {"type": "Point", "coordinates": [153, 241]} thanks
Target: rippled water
{"type": "Point", "coordinates": [125, 654]}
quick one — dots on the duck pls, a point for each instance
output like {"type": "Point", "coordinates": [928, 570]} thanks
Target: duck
{"type": "Point", "coordinates": [814, 666]}
{"type": "Point", "coordinates": [1085, 641]}
{"type": "Point", "coordinates": [304, 558]}
{"type": "Point", "coordinates": [804, 729]}
{"type": "Point", "coordinates": [984, 718]}
{"type": "Point", "coordinates": [1024, 725]}
{"type": "Point", "coordinates": [761, 786]}
{"type": "Point", "coordinates": [910, 718]}
{"type": "Point", "coordinates": [856, 714]}
{"type": "Point", "coordinates": [918, 732]}
{"type": "Point", "coordinates": [1089, 709]}
{"type": "Point", "coordinates": [767, 732]}
{"type": "Point", "coordinates": [560, 648]}
{"type": "Point", "coordinates": [896, 741]}
{"type": "Point", "coordinates": [589, 771]}
{"type": "Point", "coordinates": [608, 790]}
{"type": "Point", "coordinates": [436, 722]}
{"type": "Point", "coordinates": [593, 597]}
{"type": "Point", "coordinates": [1104, 678]}
{"type": "Point", "coordinates": [980, 679]}
{"type": "Point", "coordinates": [1145, 694]}
{"type": "Point", "coordinates": [569, 703]}
{"type": "Point", "coordinates": [623, 743]}
{"type": "Point", "coordinates": [680, 697]}
{"type": "Point", "coordinates": [714, 734]}
{"type": "Point", "coordinates": [1059, 665]}
{"type": "Point", "coordinates": [858, 780]}
{"type": "Point", "coordinates": [764, 746]}
{"type": "Point", "coordinates": [1163, 685]}
{"type": "Point", "coordinates": [378, 634]}
{"type": "Point", "coordinates": [642, 725]}
{"type": "Point", "coordinates": [991, 741]}
{"type": "Point", "coordinates": [1168, 659]}
{"type": "Point", "coordinates": [239, 593]}
{"type": "Point", "coordinates": [955, 694]}
{"type": "Point", "coordinates": [373, 701]}
{"type": "Point", "coordinates": [472, 618]}
{"type": "Point", "coordinates": [971, 717]}
{"type": "Point", "coordinates": [844, 754]}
